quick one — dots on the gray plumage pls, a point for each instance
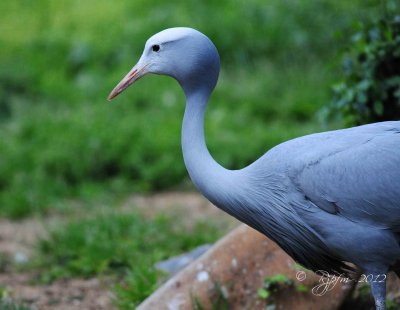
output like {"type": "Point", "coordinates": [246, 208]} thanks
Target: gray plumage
{"type": "Point", "coordinates": [328, 199]}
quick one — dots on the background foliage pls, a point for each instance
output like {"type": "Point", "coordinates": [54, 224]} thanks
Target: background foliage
{"type": "Point", "coordinates": [370, 90]}
{"type": "Point", "coordinates": [60, 138]}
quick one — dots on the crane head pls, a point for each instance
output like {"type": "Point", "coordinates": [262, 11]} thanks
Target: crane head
{"type": "Point", "coordinates": [182, 53]}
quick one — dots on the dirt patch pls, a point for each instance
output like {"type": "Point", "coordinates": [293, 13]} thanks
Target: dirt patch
{"type": "Point", "coordinates": [68, 294]}
{"type": "Point", "coordinates": [19, 237]}
{"type": "Point", "coordinates": [17, 241]}
{"type": "Point", "coordinates": [191, 207]}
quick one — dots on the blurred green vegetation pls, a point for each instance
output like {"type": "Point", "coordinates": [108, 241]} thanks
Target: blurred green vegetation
{"type": "Point", "coordinates": [60, 138]}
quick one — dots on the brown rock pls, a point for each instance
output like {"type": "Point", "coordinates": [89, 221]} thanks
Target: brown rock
{"type": "Point", "coordinates": [234, 269]}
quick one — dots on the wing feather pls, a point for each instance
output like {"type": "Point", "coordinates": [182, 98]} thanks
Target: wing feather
{"type": "Point", "coordinates": [354, 173]}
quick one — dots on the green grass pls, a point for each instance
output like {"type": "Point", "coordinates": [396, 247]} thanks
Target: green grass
{"type": "Point", "coordinates": [125, 246]}
{"type": "Point", "coordinates": [60, 138]}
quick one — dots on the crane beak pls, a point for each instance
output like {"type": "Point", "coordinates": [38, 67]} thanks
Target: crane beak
{"type": "Point", "coordinates": [136, 73]}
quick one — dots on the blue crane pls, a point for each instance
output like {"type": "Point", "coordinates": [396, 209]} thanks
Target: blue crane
{"type": "Point", "coordinates": [328, 199]}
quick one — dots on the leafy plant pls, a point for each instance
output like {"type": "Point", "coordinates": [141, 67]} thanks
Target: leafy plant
{"type": "Point", "coordinates": [302, 288]}
{"type": "Point", "coordinates": [273, 284]}
{"type": "Point", "coordinates": [370, 91]}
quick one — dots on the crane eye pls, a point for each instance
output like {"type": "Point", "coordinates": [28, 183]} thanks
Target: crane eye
{"type": "Point", "coordinates": [155, 48]}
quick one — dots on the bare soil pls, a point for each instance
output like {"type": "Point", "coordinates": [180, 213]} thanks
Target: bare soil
{"type": "Point", "coordinates": [17, 241]}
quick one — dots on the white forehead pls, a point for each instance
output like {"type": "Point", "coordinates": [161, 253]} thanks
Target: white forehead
{"type": "Point", "coordinates": [172, 34]}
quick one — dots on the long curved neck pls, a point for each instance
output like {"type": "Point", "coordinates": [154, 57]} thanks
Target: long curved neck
{"type": "Point", "coordinates": [209, 177]}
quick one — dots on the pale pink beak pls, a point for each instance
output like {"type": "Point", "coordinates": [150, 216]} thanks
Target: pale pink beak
{"type": "Point", "coordinates": [136, 73]}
